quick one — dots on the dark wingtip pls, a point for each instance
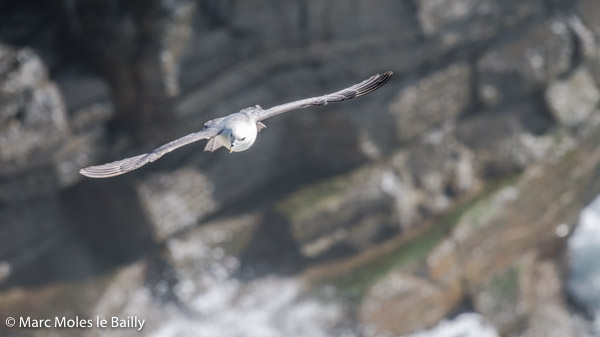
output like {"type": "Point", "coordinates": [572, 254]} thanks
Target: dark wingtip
{"type": "Point", "coordinates": [115, 168]}
{"type": "Point", "coordinates": [373, 83]}
{"type": "Point", "coordinates": [100, 172]}
{"type": "Point", "coordinates": [383, 78]}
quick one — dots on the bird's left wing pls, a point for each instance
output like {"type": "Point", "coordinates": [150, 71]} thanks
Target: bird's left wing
{"type": "Point", "coordinates": [129, 164]}
{"type": "Point", "coordinates": [369, 85]}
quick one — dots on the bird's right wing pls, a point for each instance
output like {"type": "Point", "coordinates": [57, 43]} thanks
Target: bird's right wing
{"type": "Point", "coordinates": [369, 85]}
{"type": "Point", "coordinates": [129, 164]}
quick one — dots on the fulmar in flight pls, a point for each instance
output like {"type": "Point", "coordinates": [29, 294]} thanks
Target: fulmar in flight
{"type": "Point", "coordinates": [237, 132]}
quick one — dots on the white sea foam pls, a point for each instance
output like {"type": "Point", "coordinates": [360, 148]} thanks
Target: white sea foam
{"type": "Point", "coordinates": [262, 308]}
{"type": "Point", "coordinates": [584, 253]}
{"type": "Point", "coordinates": [464, 325]}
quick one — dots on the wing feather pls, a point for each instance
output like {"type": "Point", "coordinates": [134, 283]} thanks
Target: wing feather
{"type": "Point", "coordinates": [129, 164]}
{"type": "Point", "coordinates": [369, 85]}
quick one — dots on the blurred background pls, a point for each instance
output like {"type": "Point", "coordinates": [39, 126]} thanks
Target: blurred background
{"type": "Point", "coordinates": [457, 200]}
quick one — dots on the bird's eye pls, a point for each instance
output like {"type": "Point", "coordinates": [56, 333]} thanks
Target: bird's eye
{"type": "Point", "coordinates": [242, 139]}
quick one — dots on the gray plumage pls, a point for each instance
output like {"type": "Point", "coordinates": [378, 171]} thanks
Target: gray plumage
{"type": "Point", "coordinates": [237, 132]}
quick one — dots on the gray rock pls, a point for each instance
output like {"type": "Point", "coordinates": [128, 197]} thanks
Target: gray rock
{"type": "Point", "coordinates": [357, 209]}
{"type": "Point", "coordinates": [589, 10]}
{"type": "Point", "coordinates": [304, 22]}
{"type": "Point", "coordinates": [587, 31]}
{"type": "Point", "coordinates": [435, 15]}
{"type": "Point", "coordinates": [514, 67]}
{"type": "Point", "coordinates": [176, 200]}
{"type": "Point", "coordinates": [35, 131]}
{"type": "Point", "coordinates": [585, 37]}
{"type": "Point", "coordinates": [506, 139]}
{"type": "Point", "coordinates": [442, 169]}
{"type": "Point", "coordinates": [503, 285]}
{"type": "Point", "coordinates": [39, 150]}
{"type": "Point", "coordinates": [336, 213]}
{"type": "Point", "coordinates": [81, 88]}
{"type": "Point", "coordinates": [31, 246]}
{"type": "Point", "coordinates": [126, 293]}
{"type": "Point", "coordinates": [138, 52]}
{"type": "Point", "coordinates": [35, 123]}
{"type": "Point", "coordinates": [444, 95]}
{"type": "Point", "coordinates": [488, 226]}
{"type": "Point", "coordinates": [20, 231]}
{"type": "Point", "coordinates": [410, 152]}
{"type": "Point", "coordinates": [209, 253]}
{"type": "Point", "coordinates": [573, 99]}
{"type": "Point", "coordinates": [459, 21]}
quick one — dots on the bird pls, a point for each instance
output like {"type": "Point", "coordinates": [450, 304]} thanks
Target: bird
{"type": "Point", "coordinates": [238, 131]}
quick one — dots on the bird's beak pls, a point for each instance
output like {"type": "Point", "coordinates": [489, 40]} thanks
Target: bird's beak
{"type": "Point", "coordinates": [231, 149]}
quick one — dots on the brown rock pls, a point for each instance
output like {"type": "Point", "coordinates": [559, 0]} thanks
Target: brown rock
{"type": "Point", "coordinates": [401, 304]}
{"type": "Point", "coordinates": [501, 298]}
{"type": "Point", "coordinates": [548, 311]}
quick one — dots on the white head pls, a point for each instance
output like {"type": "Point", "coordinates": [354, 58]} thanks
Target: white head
{"type": "Point", "coordinates": [239, 137]}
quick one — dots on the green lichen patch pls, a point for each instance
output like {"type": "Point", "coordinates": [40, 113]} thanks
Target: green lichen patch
{"type": "Point", "coordinates": [309, 199]}
{"type": "Point", "coordinates": [354, 277]}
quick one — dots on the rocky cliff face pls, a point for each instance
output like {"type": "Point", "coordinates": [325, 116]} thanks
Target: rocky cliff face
{"type": "Point", "coordinates": [451, 189]}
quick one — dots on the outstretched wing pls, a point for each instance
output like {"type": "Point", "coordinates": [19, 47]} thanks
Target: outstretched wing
{"type": "Point", "coordinates": [129, 164]}
{"type": "Point", "coordinates": [371, 84]}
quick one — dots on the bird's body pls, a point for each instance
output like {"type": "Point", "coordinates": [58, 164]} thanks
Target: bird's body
{"type": "Point", "coordinates": [237, 132]}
